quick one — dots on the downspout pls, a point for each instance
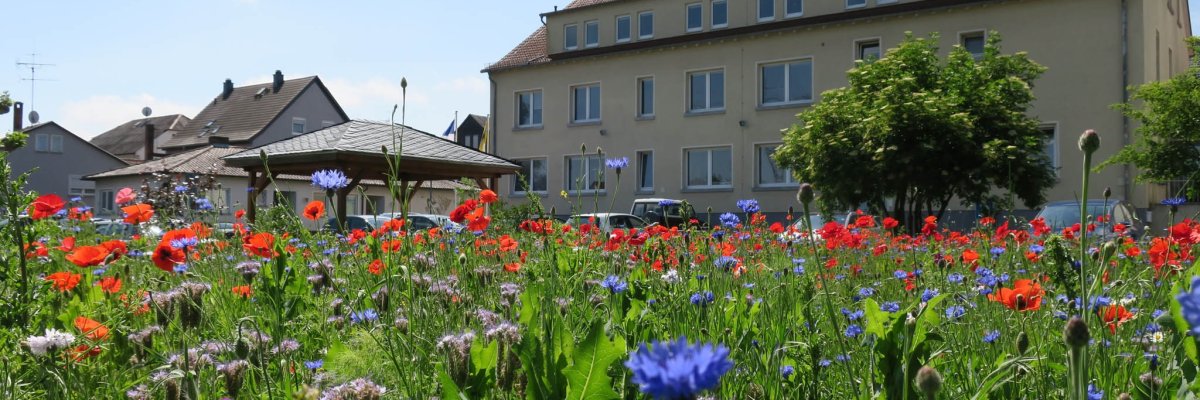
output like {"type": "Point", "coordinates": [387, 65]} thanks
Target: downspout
{"type": "Point", "coordinates": [1126, 169]}
{"type": "Point", "coordinates": [492, 118]}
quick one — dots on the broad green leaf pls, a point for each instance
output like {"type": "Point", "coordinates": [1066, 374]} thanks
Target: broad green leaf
{"type": "Point", "coordinates": [449, 389]}
{"type": "Point", "coordinates": [876, 318]}
{"type": "Point", "coordinates": [484, 357]}
{"type": "Point", "coordinates": [587, 377]}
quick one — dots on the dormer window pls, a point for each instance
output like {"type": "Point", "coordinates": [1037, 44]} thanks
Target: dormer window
{"type": "Point", "coordinates": [645, 25]}
{"type": "Point", "coordinates": [298, 126]}
{"type": "Point", "coordinates": [695, 17]}
{"type": "Point", "coordinates": [571, 37]}
{"type": "Point", "coordinates": [591, 34]}
{"type": "Point", "coordinates": [623, 29]}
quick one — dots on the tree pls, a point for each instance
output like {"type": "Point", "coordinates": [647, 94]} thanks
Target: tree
{"type": "Point", "coordinates": [911, 132]}
{"type": "Point", "coordinates": [1169, 135]}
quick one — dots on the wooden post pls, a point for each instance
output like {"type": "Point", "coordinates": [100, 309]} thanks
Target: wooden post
{"type": "Point", "coordinates": [252, 196]}
{"type": "Point", "coordinates": [341, 197]}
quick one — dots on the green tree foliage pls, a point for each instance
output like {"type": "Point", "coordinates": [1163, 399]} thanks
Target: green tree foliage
{"type": "Point", "coordinates": [918, 131]}
{"type": "Point", "coordinates": [1168, 147]}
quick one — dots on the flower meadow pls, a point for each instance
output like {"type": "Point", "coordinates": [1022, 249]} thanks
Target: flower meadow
{"type": "Point", "coordinates": [528, 307]}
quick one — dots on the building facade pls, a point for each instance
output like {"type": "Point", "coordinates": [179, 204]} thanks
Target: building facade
{"type": "Point", "coordinates": [58, 160]}
{"type": "Point", "coordinates": [697, 93]}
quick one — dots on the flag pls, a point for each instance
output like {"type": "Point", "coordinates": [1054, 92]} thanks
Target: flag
{"type": "Point", "coordinates": [450, 129]}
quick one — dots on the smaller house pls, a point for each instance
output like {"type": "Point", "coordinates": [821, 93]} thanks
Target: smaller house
{"type": "Point", "coordinates": [128, 140]}
{"type": "Point", "coordinates": [470, 131]}
{"type": "Point", "coordinates": [59, 159]}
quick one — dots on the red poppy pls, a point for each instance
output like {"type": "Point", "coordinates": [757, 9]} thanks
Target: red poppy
{"type": "Point", "coordinates": [1026, 294]}
{"type": "Point", "coordinates": [376, 267]}
{"type": "Point", "coordinates": [79, 214]}
{"type": "Point", "coordinates": [487, 196]}
{"type": "Point", "coordinates": [260, 244]}
{"type": "Point", "coordinates": [969, 257]}
{"type": "Point", "coordinates": [45, 206]}
{"type": "Point", "coordinates": [507, 243]}
{"type": "Point", "coordinates": [116, 248]}
{"type": "Point", "coordinates": [1114, 316]}
{"type": "Point", "coordinates": [138, 213]}
{"type": "Point", "coordinates": [88, 256]}
{"type": "Point", "coordinates": [68, 244]}
{"type": "Point", "coordinates": [64, 281]}
{"type": "Point", "coordinates": [460, 213]}
{"type": "Point", "coordinates": [166, 257]}
{"type": "Point", "coordinates": [392, 225]}
{"type": "Point", "coordinates": [109, 284]}
{"type": "Point", "coordinates": [890, 223]}
{"type": "Point", "coordinates": [314, 210]}
{"type": "Point", "coordinates": [243, 291]}
{"type": "Point", "coordinates": [91, 329]}
{"type": "Point", "coordinates": [776, 228]}
{"type": "Point", "coordinates": [239, 214]}
{"type": "Point", "coordinates": [512, 267]}
{"type": "Point", "coordinates": [477, 221]}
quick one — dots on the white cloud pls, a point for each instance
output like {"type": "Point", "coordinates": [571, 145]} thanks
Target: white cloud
{"type": "Point", "coordinates": [95, 115]}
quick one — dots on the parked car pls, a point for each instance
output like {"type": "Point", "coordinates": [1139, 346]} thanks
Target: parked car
{"type": "Point", "coordinates": [1063, 214]}
{"type": "Point", "coordinates": [420, 222]}
{"type": "Point", "coordinates": [796, 233]}
{"type": "Point", "coordinates": [666, 212]}
{"type": "Point", "coordinates": [366, 222]}
{"type": "Point", "coordinates": [606, 222]}
{"type": "Point", "coordinates": [118, 228]}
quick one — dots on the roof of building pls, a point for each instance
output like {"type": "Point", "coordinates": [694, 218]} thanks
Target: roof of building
{"type": "Point", "coordinates": [246, 112]}
{"type": "Point", "coordinates": [204, 160]}
{"type": "Point", "coordinates": [129, 137]}
{"type": "Point", "coordinates": [367, 138]}
{"type": "Point", "coordinates": [29, 131]}
{"type": "Point", "coordinates": [577, 4]}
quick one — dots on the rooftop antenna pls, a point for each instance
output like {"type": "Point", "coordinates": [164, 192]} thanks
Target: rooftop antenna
{"type": "Point", "coordinates": [33, 66]}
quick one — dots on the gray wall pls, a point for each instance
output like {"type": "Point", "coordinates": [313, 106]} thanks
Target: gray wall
{"type": "Point", "coordinates": [51, 171]}
{"type": "Point", "coordinates": [312, 105]}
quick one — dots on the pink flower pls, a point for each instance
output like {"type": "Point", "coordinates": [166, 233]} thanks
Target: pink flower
{"type": "Point", "coordinates": [126, 195]}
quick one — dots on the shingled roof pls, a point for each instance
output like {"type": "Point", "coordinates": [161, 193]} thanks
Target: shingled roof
{"type": "Point", "coordinates": [533, 50]}
{"type": "Point", "coordinates": [359, 139]}
{"type": "Point", "coordinates": [126, 139]}
{"type": "Point", "coordinates": [205, 160]}
{"type": "Point", "coordinates": [246, 112]}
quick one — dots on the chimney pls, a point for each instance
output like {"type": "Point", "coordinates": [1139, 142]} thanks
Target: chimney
{"type": "Point", "coordinates": [228, 90]}
{"type": "Point", "coordinates": [149, 140]}
{"type": "Point", "coordinates": [18, 110]}
{"type": "Point", "coordinates": [278, 81]}
{"type": "Point", "coordinates": [219, 142]}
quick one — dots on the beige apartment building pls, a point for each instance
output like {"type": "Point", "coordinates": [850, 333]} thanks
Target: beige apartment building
{"type": "Point", "coordinates": [696, 92]}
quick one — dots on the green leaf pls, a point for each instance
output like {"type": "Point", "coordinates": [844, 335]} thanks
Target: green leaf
{"type": "Point", "coordinates": [484, 357]}
{"type": "Point", "coordinates": [1181, 325]}
{"type": "Point", "coordinates": [876, 318]}
{"type": "Point", "coordinates": [587, 377]}
{"type": "Point", "coordinates": [449, 389]}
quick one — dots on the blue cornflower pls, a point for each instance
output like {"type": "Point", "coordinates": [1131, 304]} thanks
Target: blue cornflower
{"type": "Point", "coordinates": [76, 199]}
{"type": "Point", "coordinates": [853, 331]}
{"type": "Point", "coordinates": [1189, 304]}
{"type": "Point", "coordinates": [330, 179]}
{"type": "Point", "coordinates": [997, 251]}
{"type": "Point", "coordinates": [368, 315]}
{"type": "Point", "coordinates": [1094, 393]}
{"type": "Point", "coordinates": [955, 312]}
{"type": "Point", "coordinates": [786, 371]}
{"type": "Point", "coordinates": [853, 316]}
{"type": "Point", "coordinates": [180, 188]}
{"type": "Point", "coordinates": [749, 206]}
{"type": "Point", "coordinates": [730, 220]}
{"type": "Point", "coordinates": [617, 163]}
{"type": "Point", "coordinates": [677, 370]}
{"type": "Point", "coordinates": [954, 278]}
{"type": "Point", "coordinates": [799, 270]}
{"type": "Point", "coordinates": [866, 292]}
{"type": "Point", "coordinates": [702, 298]}
{"type": "Point", "coordinates": [890, 306]}
{"type": "Point", "coordinates": [842, 357]}
{"type": "Point", "coordinates": [181, 268]}
{"type": "Point", "coordinates": [189, 241]}
{"type": "Point", "coordinates": [725, 262]}
{"type": "Point", "coordinates": [314, 365]}
{"type": "Point", "coordinates": [1157, 313]}
{"type": "Point", "coordinates": [990, 337]}
{"type": "Point", "coordinates": [1036, 248]}
{"type": "Point", "coordinates": [929, 294]}
{"type": "Point", "coordinates": [900, 274]}
{"type": "Point", "coordinates": [1174, 201]}
{"type": "Point", "coordinates": [824, 362]}
{"type": "Point", "coordinates": [204, 204]}
{"type": "Point", "coordinates": [614, 284]}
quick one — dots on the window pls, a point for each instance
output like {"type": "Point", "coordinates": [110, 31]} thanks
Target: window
{"type": "Point", "coordinates": [531, 177]}
{"type": "Point", "coordinates": [867, 50]}
{"type": "Point", "coordinates": [855, 3]}
{"type": "Point", "coordinates": [786, 83]}
{"type": "Point", "coordinates": [766, 10]}
{"type": "Point", "coordinates": [571, 37]}
{"type": "Point", "coordinates": [709, 168]}
{"type": "Point", "coordinates": [695, 17]}
{"type": "Point", "coordinates": [353, 205]}
{"type": "Point", "coordinates": [585, 173]}
{"type": "Point", "coordinates": [623, 29]}
{"type": "Point", "coordinates": [973, 42]}
{"type": "Point", "coordinates": [645, 97]}
{"type": "Point", "coordinates": [645, 171]}
{"type": "Point", "coordinates": [374, 205]}
{"type": "Point", "coordinates": [225, 201]}
{"type": "Point", "coordinates": [41, 143]}
{"type": "Point", "coordinates": [707, 91]}
{"type": "Point", "coordinates": [56, 143]}
{"type": "Point", "coordinates": [1050, 144]}
{"type": "Point", "coordinates": [720, 14]}
{"type": "Point", "coordinates": [585, 103]}
{"type": "Point", "coordinates": [793, 8]}
{"type": "Point", "coordinates": [645, 25]}
{"type": "Point", "coordinates": [591, 34]}
{"type": "Point", "coordinates": [285, 198]}
{"type": "Point", "coordinates": [769, 173]}
{"type": "Point", "coordinates": [76, 186]}
{"type": "Point", "coordinates": [297, 125]}
{"type": "Point", "coordinates": [107, 201]}
{"type": "Point", "coordinates": [529, 109]}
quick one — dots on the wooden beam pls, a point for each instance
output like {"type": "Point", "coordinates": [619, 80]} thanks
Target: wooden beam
{"type": "Point", "coordinates": [481, 183]}
{"type": "Point", "coordinates": [252, 196]}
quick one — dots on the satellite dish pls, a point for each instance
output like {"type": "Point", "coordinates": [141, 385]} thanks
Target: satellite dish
{"type": "Point", "coordinates": [146, 111]}
{"type": "Point", "coordinates": [34, 117]}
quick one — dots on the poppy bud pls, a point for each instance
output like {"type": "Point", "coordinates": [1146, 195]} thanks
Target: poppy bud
{"type": "Point", "coordinates": [1076, 333]}
{"type": "Point", "coordinates": [805, 194]}
{"type": "Point", "coordinates": [929, 381]}
{"type": "Point", "coordinates": [171, 386]}
{"type": "Point", "coordinates": [1022, 342]}
{"type": "Point", "coordinates": [1089, 141]}
{"type": "Point", "coordinates": [242, 348]}
{"type": "Point", "coordinates": [1107, 192]}
{"type": "Point", "coordinates": [381, 298]}
{"type": "Point", "coordinates": [462, 258]}
{"type": "Point", "coordinates": [583, 148]}
{"type": "Point", "coordinates": [755, 391]}
{"type": "Point", "coordinates": [1124, 396]}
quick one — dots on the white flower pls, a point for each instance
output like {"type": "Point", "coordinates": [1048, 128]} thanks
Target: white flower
{"type": "Point", "coordinates": [37, 345]}
{"type": "Point", "coordinates": [52, 340]}
{"type": "Point", "coordinates": [671, 276]}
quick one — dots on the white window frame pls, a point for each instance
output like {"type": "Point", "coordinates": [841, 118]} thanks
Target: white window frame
{"type": "Point", "coordinates": [852, 4]}
{"type": "Point", "coordinates": [641, 28]}
{"type": "Point", "coordinates": [570, 41]}
{"type": "Point", "coordinates": [788, 13]}
{"type": "Point", "coordinates": [963, 35]}
{"type": "Point", "coordinates": [858, 45]}
{"type": "Point", "coordinates": [516, 187]}
{"type": "Point", "coordinates": [533, 107]}
{"type": "Point", "coordinates": [789, 180]}
{"type": "Point", "coordinates": [41, 143]}
{"type": "Point", "coordinates": [590, 119]}
{"type": "Point", "coordinates": [639, 167]}
{"type": "Point", "coordinates": [687, 17]}
{"type": "Point", "coordinates": [712, 14]}
{"type": "Point", "coordinates": [56, 144]}
{"type": "Point", "coordinates": [709, 149]}
{"type": "Point", "coordinates": [708, 97]}
{"type": "Point", "coordinates": [106, 200]}
{"type": "Point", "coordinates": [758, 11]}
{"type": "Point", "coordinates": [640, 103]}
{"type": "Point", "coordinates": [588, 27]}
{"type": "Point", "coordinates": [1055, 159]}
{"type": "Point", "coordinates": [787, 79]}
{"type": "Point", "coordinates": [303, 125]}
{"type": "Point", "coordinates": [569, 180]}
{"type": "Point", "coordinates": [628, 28]}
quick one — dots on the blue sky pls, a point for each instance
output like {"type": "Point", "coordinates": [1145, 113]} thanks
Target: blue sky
{"type": "Point", "coordinates": [113, 58]}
